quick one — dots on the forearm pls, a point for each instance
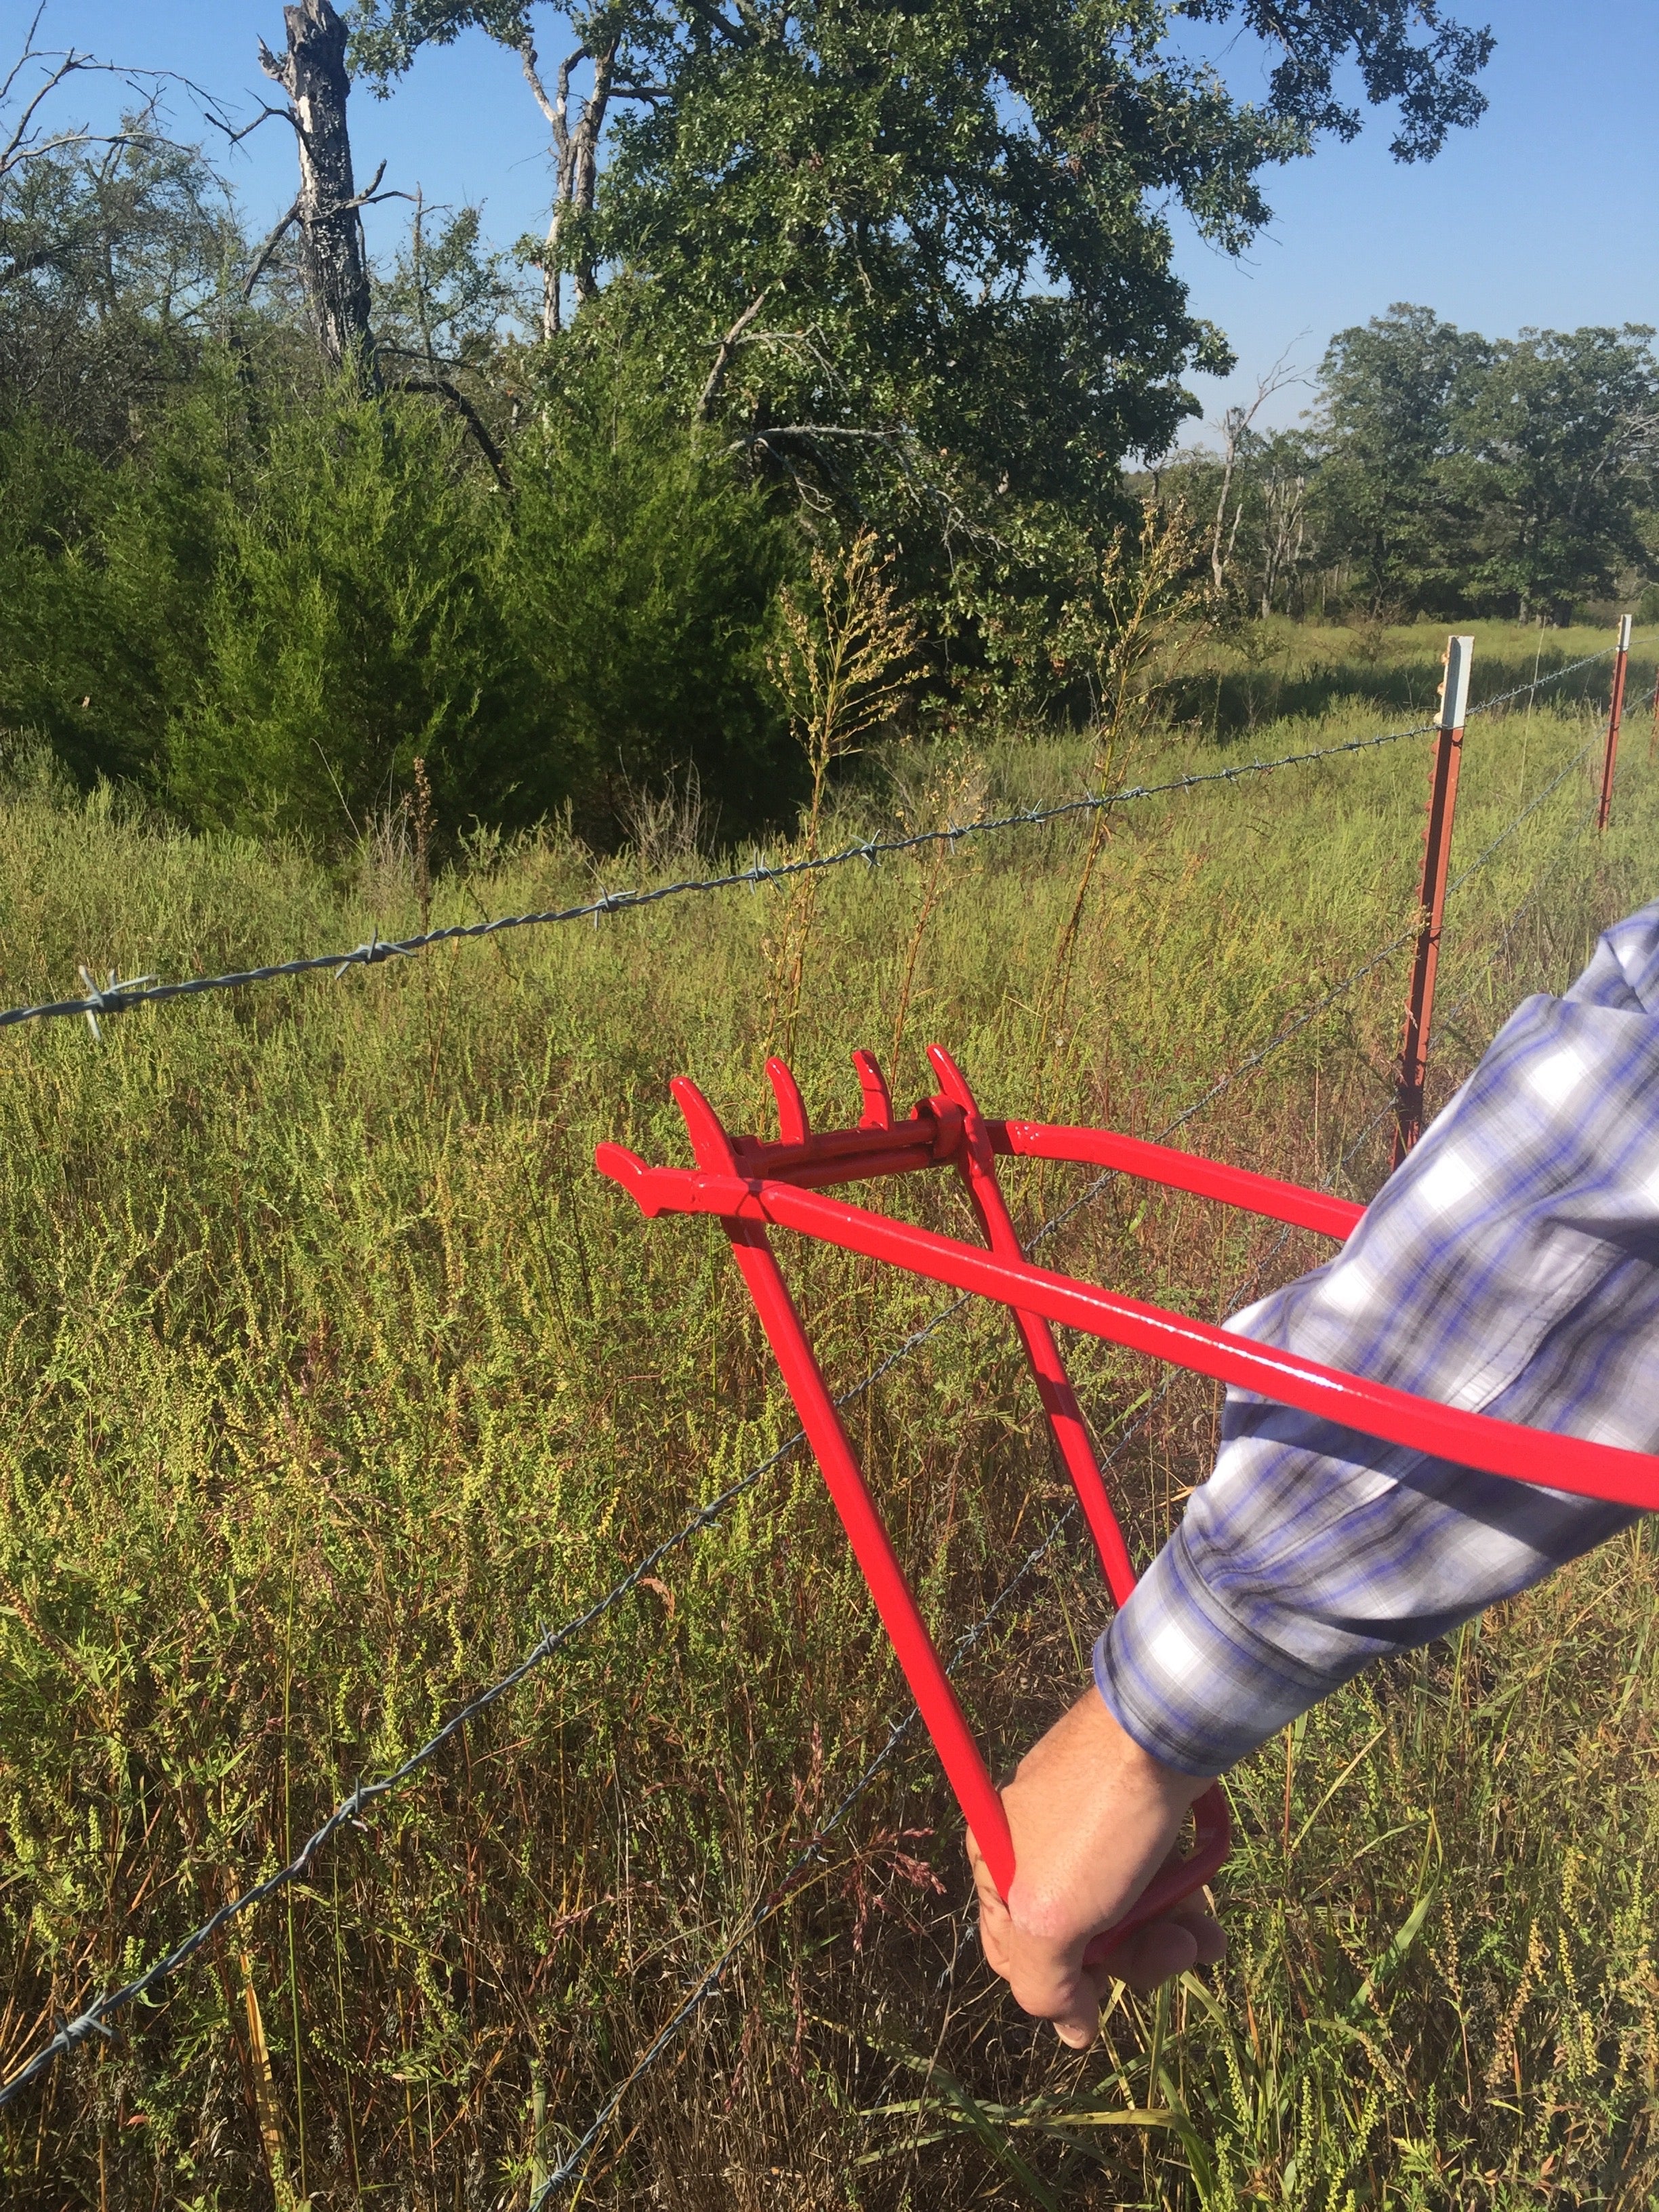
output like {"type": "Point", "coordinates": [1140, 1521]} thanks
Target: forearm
{"type": "Point", "coordinates": [1309, 1553]}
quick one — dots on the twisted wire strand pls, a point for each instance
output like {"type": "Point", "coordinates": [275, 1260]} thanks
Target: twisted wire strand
{"type": "Point", "coordinates": [116, 997]}
{"type": "Point", "coordinates": [92, 2020]}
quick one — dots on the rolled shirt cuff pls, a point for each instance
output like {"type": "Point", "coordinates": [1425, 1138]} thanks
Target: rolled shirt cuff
{"type": "Point", "coordinates": [1189, 1682]}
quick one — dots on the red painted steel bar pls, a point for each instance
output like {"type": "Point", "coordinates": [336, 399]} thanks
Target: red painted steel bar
{"type": "Point", "coordinates": [977, 1166]}
{"type": "Point", "coordinates": [929, 1685]}
{"type": "Point", "coordinates": [1431, 895]}
{"type": "Point", "coordinates": [1255, 1194]}
{"type": "Point", "coordinates": [1376, 1409]}
{"type": "Point", "coordinates": [1615, 718]}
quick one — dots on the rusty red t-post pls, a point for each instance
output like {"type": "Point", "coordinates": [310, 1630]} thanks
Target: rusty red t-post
{"type": "Point", "coordinates": [1432, 896]}
{"type": "Point", "coordinates": [1615, 717]}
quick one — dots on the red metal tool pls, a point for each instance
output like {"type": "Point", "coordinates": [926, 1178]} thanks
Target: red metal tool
{"type": "Point", "coordinates": [751, 1185]}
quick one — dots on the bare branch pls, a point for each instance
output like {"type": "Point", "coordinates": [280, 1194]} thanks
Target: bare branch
{"type": "Point", "coordinates": [265, 114]}
{"type": "Point", "coordinates": [527, 55]}
{"type": "Point", "coordinates": [458, 399]}
{"type": "Point", "coordinates": [1236, 424]}
{"type": "Point", "coordinates": [560, 117]}
{"type": "Point", "coordinates": [279, 71]}
{"type": "Point", "coordinates": [369, 195]}
{"type": "Point", "coordinates": [738, 34]}
{"type": "Point", "coordinates": [263, 259]}
{"type": "Point", "coordinates": [17, 148]}
{"type": "Point", "coordinates": [728, 345]}
{"type": "Point", "coordinates": [817, 431]}
{"type": "Point", "coordinates": [28, 54]}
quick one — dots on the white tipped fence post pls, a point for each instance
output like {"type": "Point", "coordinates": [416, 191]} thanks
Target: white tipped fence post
{"type": "Point", "coordinates": [1615, 716]}
{"type": "Point", "coordinates": [1432, 896]}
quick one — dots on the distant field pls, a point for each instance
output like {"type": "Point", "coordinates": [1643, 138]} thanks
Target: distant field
{"type": "Point", "coordinates": [331, 1370]}
{"type": "Point", "coordinates": [1271, 671]}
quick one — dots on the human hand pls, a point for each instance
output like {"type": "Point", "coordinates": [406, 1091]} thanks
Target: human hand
{"type": "Point", "coordinates": [1093, 1817]}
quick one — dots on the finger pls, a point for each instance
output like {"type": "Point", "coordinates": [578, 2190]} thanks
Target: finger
{"type": "Point", "coordinates": [1197, 1913]}
{"type": "Point", "coordinates": [1154, 1954]}
{"type": "Point", "coordinates": [1078, 2030]}
{"type": "Point", "coordinates": [1075, 2015]}
{"type": "Point", "coordinates": [995, 1928]}
{"type": "Point", "coordinates": [1211, 1939]}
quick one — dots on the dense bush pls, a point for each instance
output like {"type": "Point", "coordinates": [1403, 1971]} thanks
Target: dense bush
{"type": "Point", "coordinates": [265, 614]}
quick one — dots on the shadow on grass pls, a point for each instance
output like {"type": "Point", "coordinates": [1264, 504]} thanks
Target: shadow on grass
{"type": "Point", "coordinates": [1261, 684]}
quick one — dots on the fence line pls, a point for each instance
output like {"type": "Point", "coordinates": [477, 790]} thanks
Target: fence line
{"type": "Point", "coordinates": [119, 997]}
{"type": "Point", "coordinates": [93, 2019]}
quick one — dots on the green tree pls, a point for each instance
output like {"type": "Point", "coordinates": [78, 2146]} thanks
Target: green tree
{"type": "Point", "coordinates": [918, 254]}
{"type": "Point", "coordinates": [642, 577]}
{"type": "Point", "coordinates": [354, 623]}
{"type": "Point", "coordinates": [107, 564]}
{"type": "Point", "coordinates": [1395, 491]}
{"type": "Point", "coordinates": [1565, 425]}
{"type": "Point", "coordinates": [114, 259]}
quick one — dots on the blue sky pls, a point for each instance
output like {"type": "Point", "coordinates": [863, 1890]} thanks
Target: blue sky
{"type": "Point", "coordinates": [1547, 212]}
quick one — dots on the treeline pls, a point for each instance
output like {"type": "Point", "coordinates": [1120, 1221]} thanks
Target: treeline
{"type": "Point", "coordinates": [1440, 472]}
{"type": "Point", "coordinates": [275, 524]}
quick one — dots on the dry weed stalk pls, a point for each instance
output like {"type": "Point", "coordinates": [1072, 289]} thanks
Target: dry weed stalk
{"type": "Point", "coordinates": [842, 667]}
{"type": "Point", "coordinates": [952, 794]}
{"type": "Point", "coordinates": [1148, 594]}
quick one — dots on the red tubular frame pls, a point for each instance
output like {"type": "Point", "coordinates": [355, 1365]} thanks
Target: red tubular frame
{"type": "Point", "coordinates": [751, 1185]}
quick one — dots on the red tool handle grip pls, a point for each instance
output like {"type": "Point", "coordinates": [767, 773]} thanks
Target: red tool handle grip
{"type": "Point", "coordinates": [1178, 1878]}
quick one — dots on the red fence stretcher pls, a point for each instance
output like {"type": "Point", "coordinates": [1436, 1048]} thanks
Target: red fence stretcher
{"type": "Point", "coordinates": [751, 1185]}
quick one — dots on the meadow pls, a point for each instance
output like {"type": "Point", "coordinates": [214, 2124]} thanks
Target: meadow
{"type": "Point", "coordinates": [332, 1371]}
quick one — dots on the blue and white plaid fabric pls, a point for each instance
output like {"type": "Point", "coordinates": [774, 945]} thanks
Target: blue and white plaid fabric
{"type": "Point", "coordinates": [1511, 1264]}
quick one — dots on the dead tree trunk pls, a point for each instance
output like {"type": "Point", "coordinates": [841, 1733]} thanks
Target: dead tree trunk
{"type": "Point", "coordinates": [313, 73]}
{"type": "Point", "coordinates": [576, 154]}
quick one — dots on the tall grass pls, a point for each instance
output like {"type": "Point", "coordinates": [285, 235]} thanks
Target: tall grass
{"type": "Point", "coordinates": [332, 1369]}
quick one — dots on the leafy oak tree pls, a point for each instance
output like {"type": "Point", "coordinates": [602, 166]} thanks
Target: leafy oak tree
{"type": "Point", "coordinates": [1396, 485]}
{"type": "Point", "coordinates": [1565, 425]}
{"type": "Point", "coordinates": [921, 250]}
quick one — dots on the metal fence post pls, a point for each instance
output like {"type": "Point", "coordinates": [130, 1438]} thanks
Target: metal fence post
{"type": "Point", "coordinates": [1431, 897]}
{"type": "Point", "coordinates": [1615, 716]}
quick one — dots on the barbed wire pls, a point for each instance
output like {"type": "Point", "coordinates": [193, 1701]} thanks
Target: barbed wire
{"type": "Point", "coordinates": [93, 2019]}
{"type": "Point", "coordinates": [117, 996]}
{"type": "Point", "coordinates": [1525, 815]}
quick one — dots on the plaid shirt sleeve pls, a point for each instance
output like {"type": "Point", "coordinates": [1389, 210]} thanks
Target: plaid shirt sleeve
{"type": "Point", "coordinates": [1511, 1266]}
